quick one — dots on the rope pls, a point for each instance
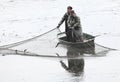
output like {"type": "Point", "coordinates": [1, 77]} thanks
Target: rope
{"type": "Point", "coordinates": [106, 47]}
{"type": "Point", "coordinates": [24, 41]}
{"type": "Point", "coordinates": [22, 53]}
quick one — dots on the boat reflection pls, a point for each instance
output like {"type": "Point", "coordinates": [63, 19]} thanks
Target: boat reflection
{"type": "Point", "coordinates": [76, 60]}
{"type": "Point", "coordinates": [75, 65]}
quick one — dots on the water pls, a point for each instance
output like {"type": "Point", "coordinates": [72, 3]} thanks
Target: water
{"type": "Point", "coordinates": [80, 66]}
{"type": "Point", "coordinates": [63, 63]}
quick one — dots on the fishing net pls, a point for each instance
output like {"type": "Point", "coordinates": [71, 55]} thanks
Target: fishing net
{"type": "Point", "coordinates": [44, 45]}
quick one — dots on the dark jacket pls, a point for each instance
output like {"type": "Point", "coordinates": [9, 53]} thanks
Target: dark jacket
{"type": "Point", "coordinates": [74, 23]}
{"type": "Point", "coordinates": [64, 18]}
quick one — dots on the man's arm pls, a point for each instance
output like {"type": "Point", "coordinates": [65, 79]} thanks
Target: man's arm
{"type": "Point", "coordinates": [62, 20]}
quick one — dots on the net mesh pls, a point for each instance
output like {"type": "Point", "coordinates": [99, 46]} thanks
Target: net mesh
{"type": "Point", "coordinates": [45, 45]}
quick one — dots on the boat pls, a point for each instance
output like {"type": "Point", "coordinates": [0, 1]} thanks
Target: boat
{"type": "Point", "coordinates": [87, 43]}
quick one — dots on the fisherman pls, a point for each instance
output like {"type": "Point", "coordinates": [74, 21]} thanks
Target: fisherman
{"type": "Point", "coordinates": [75, 28]}
{"type": "Point", "coordinates": [65, 18]}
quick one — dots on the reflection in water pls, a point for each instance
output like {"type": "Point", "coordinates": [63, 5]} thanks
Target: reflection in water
{"type": "Point", "coordinates": [75, 65]}
{"type": "Point", "coordinates": [75, 61]}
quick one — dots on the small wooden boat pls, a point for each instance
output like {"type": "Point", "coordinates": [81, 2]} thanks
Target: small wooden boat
{"type": "Point", "coordinates": [87, 43]}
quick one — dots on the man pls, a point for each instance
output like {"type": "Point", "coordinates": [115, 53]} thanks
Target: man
{"type": "Point", "coordinates": [65, 18]}
{"type": "Point", "coordinates": [75, 27]}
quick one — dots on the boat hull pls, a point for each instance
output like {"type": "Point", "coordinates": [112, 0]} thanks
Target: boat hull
{"type": "Point", "coordinates": [87, 43]}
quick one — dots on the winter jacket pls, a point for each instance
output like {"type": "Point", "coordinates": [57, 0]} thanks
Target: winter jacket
{"type": "Point", "coordinates": [64, 18]}
{"type": "Point", "coordinates": [74, 23]}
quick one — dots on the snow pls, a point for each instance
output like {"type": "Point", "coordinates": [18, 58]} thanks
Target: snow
{"type": "Point", "coordinates": [23, 19]}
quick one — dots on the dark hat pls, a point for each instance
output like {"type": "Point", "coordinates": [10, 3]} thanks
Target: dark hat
{"type": "Point", "coordinates": [72, 11]}
{"type": "Point", "coordinates": [69, 7]}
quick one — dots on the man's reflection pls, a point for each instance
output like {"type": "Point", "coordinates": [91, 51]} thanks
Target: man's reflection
{"type": "Point", "coordinates": [75, 64]}
{"type": "Point", "coordinates": [75, 59]}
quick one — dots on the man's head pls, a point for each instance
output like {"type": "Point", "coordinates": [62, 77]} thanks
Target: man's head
{"type": "Point", "coordinates": [69, 8]}
{"type": "Point", "coordinates": [72, 13]}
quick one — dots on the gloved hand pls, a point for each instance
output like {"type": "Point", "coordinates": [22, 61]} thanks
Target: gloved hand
{"type": "Point", "coordinates": [57, 26]}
